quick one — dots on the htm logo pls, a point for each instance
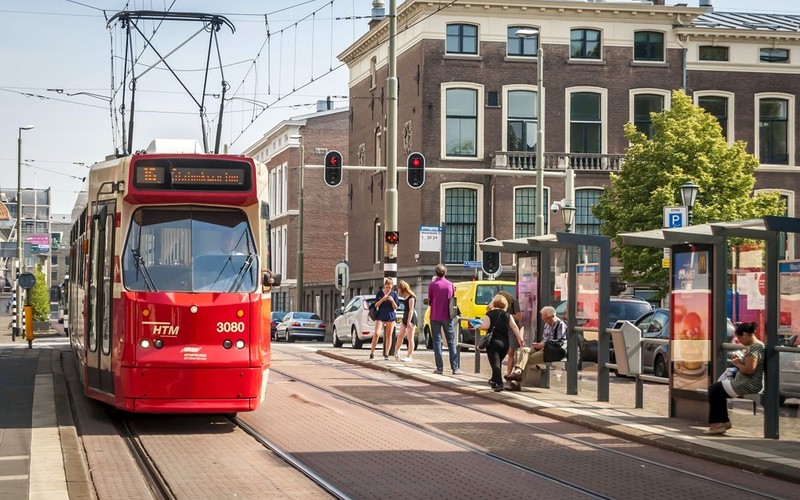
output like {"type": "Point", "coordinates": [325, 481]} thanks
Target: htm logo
{"type": "Point", "coordinates": [166, 330]}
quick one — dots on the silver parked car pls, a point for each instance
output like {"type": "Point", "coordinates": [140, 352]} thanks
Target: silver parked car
{"type": "Point", "coordinates": [352, 323]}
{"type": "Point", "coordinates": [300, 325]}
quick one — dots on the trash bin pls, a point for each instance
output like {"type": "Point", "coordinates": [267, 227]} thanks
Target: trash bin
{"type": "Point", "coordinates": [627, 348]}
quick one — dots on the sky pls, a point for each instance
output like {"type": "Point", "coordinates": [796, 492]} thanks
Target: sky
{"type": "Point", "coordinates": [59, 63]}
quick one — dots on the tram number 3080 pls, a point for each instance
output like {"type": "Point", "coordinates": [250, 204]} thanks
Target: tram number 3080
{"type": "Point", "coordinates": [230, 327]}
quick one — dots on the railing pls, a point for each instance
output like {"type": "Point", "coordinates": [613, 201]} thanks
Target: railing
{"type": "Point", "coordinates": [526, 160]}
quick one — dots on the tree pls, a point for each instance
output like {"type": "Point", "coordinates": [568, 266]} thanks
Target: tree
{"type": "Point", "coordinates": [687, 145]}
{"type": "Point", "coordinates": [40, 296]}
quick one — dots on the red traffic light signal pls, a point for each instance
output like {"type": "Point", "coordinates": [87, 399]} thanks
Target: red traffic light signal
{"type": "Point", "coordinates": [333, 168]}
{"type": "Point", "coordinates": [415, 170]}
{"type": "Point", "coordinates": [392, 237]}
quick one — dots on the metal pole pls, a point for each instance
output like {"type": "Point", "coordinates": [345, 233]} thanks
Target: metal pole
{"type": "Point", "coordinates": [16, 330]}
{"type": "Point", "coordinates": [540, 141]}
{"type": "Point", "coordinates": [300, 291]}
{"type": "Point", "coordinates": [390, 258]}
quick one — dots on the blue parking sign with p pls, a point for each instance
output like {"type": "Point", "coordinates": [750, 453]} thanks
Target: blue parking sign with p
{"type": "Point", "coordinates": [676, 217]}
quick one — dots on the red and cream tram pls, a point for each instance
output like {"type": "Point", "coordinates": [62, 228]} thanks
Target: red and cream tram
{"type": "Point", "coordinates": [169, 286]}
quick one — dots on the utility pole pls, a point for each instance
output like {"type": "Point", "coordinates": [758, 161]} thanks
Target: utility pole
{"type": "Point", "coordinates": [391, 237]}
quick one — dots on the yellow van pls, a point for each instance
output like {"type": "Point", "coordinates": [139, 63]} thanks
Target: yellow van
{"type": "Point", "coordinates": [472, 297]}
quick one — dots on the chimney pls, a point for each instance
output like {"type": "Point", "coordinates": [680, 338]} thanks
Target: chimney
{"type": "Point", "coordinates": [707, 5]}
{"type": "Point", "coordinates": [658, 2]}
{"type": "Point", "coordinates": [378, 13]}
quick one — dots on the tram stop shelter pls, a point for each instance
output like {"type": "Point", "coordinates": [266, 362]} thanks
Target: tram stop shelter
{"type": "Point", "coordinates": [535, 280]}
{"type": "Point", "coordinates": [699, 264]}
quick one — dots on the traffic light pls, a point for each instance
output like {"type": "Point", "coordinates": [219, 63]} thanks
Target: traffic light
{"type": "Point", "coordinates": [392, 237]}
{"type": "Point", "coordinates": [333, 168]}
{"type": "Point", "coordinates": [415, 171]}
{"type": "Point", "coordinates": [491, 260]}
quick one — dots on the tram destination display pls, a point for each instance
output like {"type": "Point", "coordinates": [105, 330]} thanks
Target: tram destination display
{"type": "Point", "coordinates": [191, 174]}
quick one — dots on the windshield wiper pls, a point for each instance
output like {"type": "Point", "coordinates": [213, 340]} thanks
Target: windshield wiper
{"type": "Point", "coordinates": [142, 267]}
{"type": "Point", "coordinates": [248, 263]}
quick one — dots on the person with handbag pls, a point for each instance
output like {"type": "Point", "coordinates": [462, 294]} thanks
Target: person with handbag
{"type": "Point", "coordinates": [554, 337]}
{"type": "Point", "coordinates": [440, 291]}
{"type": "Point", "coordinates": [516, 312]}
{"type": "Point", "coordinates": [498, 322]}
{"type": "Point", "coordinates": [386, 301]}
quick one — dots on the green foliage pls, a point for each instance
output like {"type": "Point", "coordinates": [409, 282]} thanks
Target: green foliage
{"type": "Point", "coordinates": [40, 296]}
{"type": "Point", "coordinates": [687, 145]}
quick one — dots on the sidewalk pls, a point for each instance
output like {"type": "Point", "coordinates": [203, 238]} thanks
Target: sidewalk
{"type": "Point", "coordinates": [743, 446]}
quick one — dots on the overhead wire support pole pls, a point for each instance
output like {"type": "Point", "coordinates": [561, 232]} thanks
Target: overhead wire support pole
{"type": "Point", "coordinates": [390, 258]}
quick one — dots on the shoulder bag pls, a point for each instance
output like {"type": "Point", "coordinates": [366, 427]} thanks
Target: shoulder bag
{"type": "Point", "coordinates": [553, 349]}
{"type": "Point", "coordinates": [452, 307]}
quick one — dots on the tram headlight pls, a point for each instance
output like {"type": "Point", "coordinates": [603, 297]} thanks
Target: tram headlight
{"type": "Point", "coordinates": [145, 344]}
{"type": "Point", "coordinates": [227, 344]}
{"type": "Point", "coordinates": [158, 343]}
{"type": "Point", "coordinates": [240, 344]}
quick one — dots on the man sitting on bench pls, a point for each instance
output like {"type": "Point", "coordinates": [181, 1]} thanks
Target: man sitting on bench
{"type": "Point", "coordinates": [554, 329]}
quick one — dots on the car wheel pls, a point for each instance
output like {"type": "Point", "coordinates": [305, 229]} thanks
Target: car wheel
{"type": "Point", "coordinates": [289, 337]}
{"type": "Point", "coordinates": [335, 339]}
{"type": "Point", "coordinates": [356, 342]}
{"type": "Point", "coordinates": [428, 337]}
{"type": "Point", "coordinates": [660, 367]}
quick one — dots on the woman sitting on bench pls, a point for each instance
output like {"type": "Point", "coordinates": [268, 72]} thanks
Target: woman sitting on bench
{"type": "Point", "coordinates": [748, 379]}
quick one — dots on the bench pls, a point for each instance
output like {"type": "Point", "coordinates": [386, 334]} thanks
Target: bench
{"type": "Point", "coordinates": [540, 377]}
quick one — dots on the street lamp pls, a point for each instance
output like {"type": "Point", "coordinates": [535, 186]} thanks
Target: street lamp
{"type": "Point", "coordinates": [18, 292]}
{"type": "Point", "coordinates": [568, 215]}
{"type": "Point", "coordinates": [688, 196]}
{"type": "Point", "coordinates": [526, 33]}
{"type": "Point", "coordinates": [300, 216]}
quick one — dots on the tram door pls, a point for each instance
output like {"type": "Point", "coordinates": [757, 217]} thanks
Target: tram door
{"type": "Point", "coordinates": [98, 355]}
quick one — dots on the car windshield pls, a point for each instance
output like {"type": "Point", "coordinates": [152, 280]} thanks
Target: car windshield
{"type": "Point", "coordinates": [277, 315]}
{"type": "Point", "coordinates": [485, 293]}
{"type": "Point", "coordinates": [189, 249]}
{"type": "Point", "coordinates": [627, 310]}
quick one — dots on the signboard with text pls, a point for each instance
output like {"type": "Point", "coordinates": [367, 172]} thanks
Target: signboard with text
{"type": "Point", "coordinates": [40, 243]}
{"type": "Point", "coordinates": [430, 238]}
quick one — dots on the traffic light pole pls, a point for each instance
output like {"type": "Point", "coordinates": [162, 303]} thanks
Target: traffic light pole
{"type": "Point", "coordinates": [390, 257]}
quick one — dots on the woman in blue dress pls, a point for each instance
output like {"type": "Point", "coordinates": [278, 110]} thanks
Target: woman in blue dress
{"type": "Point", "coordinates": [386, 301]}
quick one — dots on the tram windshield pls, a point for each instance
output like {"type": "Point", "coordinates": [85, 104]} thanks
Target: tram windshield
{"type": "Point", "coordinates": [189, 249]}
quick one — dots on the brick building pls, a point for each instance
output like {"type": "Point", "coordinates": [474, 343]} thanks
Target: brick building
{"type": "Point", "coordinates": [468, 95]}
{"type": "Point", "coordinates": [325, 210]}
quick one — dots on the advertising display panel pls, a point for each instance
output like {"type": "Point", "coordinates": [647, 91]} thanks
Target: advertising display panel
{"type": "Point", "coordinates": [528, 294]}
{"type": "Point", "coordinates": [691, 317]}
{"type": "Point", "coordinates": [789, 307]}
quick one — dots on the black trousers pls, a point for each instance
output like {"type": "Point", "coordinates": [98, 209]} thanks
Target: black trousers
{"type": "Point", "coordinates": [717, 404]}
{"type": "Point", "coordinates": [496, 352]}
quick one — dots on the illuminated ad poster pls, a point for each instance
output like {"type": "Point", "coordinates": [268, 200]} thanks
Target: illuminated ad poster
{"type": "Point", "coordinates": [587, 279]}
{"type": "Point", "coordinates": [528, 294]}
{"type": "Point", "coordinates": [690, 309]}
{"type": "Point", "coordinates": [789, 279]}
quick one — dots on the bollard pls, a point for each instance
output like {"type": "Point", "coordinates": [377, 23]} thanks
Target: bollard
{"type": "Point", "coordinates": [29, 325]}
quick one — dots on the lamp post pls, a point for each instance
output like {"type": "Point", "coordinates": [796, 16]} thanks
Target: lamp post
{"type": "Point", "coordinates": [525, 33]}
{"type": "Point", "coordinates": [300, 216]}
{"type": "Point", "coordinates": [18, 292]}
{"type": "Point", "coordinates": [568, 215]}
{"type": "Point", "coordinates": [688, 196]}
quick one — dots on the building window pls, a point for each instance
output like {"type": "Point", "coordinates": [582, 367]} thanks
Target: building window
{"type": "Point", "coordinates": [378, 242]}
{"type": "Point", "coordinates": [716, 106]}
{"type": "Point", "coordinates": [523, 121]}
{"type": "Point", "coordinates": [773, 131]}
{"type": "Point", "coordinates": [586, 222]}
{"type": "Point", "coordinates": [648, 46]}
{"type": "Point", "coordinates": [461, 224]}
{"type": "Point", "coordinates": [461, 127]}
{"type": "Point", "coordinates": [586, 124]}
{"type": "Point", "coordinates": [462, 39]}
{"type": "Point", "coordinates": [712, 53]}
{"type": "Point", "coordinates": [373, 78]}
{"type": "Point", "coordinates": [525, 46]}
{"type": "Point", "coordinates": [525, 211]}
{"type": "Point", "coordinates": [584, 44]}
{"type": "Point", "coordinates": [774, 55]}
{"type": "Point", "coordinates": [643, 105]}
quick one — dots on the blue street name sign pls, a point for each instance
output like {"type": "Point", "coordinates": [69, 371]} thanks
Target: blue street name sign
{"type": "Point", "coordinates": [472, 263]}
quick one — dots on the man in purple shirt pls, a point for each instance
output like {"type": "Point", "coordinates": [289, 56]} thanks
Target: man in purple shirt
{"type": "Point", "coordinates": [439, 292]}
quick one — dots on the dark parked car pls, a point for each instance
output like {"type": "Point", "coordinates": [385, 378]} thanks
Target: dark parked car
{"type": "Point", "coordinates": [275, 318]}
{"type": "Point", "coordinates": [620, 309]}
{"type": "Point", "coordinates": [655, 325]}
{"type": "Point", "coordinates": [302, 325]}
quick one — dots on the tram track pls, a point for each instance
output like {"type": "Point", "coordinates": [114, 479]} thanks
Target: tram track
{"type": "Point", "coordinates": [152, 476]}
{"type": "Point", "coordinates": [723, 485]}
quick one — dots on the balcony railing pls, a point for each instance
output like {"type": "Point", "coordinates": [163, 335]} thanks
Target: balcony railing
{"type": "Point", "coordinates": [524, 160]}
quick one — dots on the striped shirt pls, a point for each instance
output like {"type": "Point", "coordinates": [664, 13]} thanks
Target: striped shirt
{"type": "Point", "coordinates": [751, 384]}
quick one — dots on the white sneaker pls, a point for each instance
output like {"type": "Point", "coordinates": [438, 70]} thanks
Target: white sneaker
{"type": "Point", "coordinates": [407, 360]}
